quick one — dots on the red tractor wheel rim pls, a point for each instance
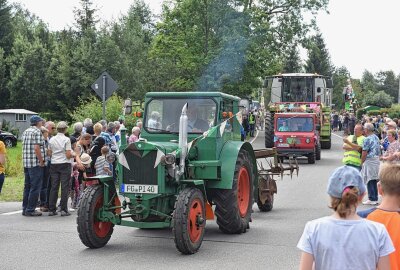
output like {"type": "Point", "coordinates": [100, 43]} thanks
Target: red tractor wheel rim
{"type": "Point", "coordinates": [243, 192]}
{"type": "Point", "coordinates": [195, 227]}
{"type": "Point", "coordinates": [101, 228]}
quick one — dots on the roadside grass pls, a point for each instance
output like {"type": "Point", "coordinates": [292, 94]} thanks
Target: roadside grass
{"type": "Point", "coordinates": [12, 189]}
{"type": "Point", "coordinates": [14, 182]}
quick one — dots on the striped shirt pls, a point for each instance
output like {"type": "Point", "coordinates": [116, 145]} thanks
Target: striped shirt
{"type": "Point", "coordinates": [100, 164]}
{"type": "Point", "coordinates": [31, 137]}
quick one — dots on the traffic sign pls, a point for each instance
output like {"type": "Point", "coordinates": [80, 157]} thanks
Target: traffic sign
{"type": "Point", "coordinates": [104, 83]}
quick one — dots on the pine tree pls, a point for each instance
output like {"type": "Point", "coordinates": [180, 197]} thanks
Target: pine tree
{"type": "Point", "coordinates": [292, 63]}
{"type": "Point", "coordinates": [85, 17]}
{"type": "Point", "coordinates": [6, 34]}
{"type": "Point", "coordinates": [319, 60]}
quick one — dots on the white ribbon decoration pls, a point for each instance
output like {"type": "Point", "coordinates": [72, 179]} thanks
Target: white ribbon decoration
{"type": "Point", "coordinates": [122, 160]}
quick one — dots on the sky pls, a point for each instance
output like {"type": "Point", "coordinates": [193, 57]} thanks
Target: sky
{"type": "Point", "coordinates": [359, 34]}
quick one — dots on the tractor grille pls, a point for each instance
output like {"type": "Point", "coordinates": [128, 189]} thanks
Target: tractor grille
{"type": "Point", "coordinates": [293, 140]}
{"type": "Point", "coordinates": [142, 169]}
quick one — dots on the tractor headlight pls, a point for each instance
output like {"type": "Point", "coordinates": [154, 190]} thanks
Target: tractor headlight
{"type": "Point", "coordinates": [280, 140]}
{"type": "Point", "coordinates": [308, 140]}
{"type": "Point", "coordinates": [168, 159]}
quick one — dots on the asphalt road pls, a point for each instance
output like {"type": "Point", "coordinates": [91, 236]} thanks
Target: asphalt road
{"type": "Point", "coordinates": [53, 243]}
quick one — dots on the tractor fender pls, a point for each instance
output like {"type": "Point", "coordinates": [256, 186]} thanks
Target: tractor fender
{"type": "Point", "coordinates": [228, 157]}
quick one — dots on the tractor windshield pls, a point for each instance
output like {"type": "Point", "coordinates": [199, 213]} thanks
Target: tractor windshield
{"type": "Point", "coordinates": [297, 89]}
{"type": "Point", "coordinates": [295, 124]}
{"type": "Point", "coordinates": [162, 114]}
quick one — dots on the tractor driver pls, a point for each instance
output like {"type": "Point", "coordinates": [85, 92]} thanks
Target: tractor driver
{"type": "Point", "coordinates": [195, 124]}
{"type": "Point", "coordinates": [284, 126]}
{"type": "Point", "coordinates": [308, 125]}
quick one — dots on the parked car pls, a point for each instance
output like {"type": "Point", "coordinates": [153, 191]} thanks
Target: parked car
{"type": "Point", "coordinates": [8, 138]}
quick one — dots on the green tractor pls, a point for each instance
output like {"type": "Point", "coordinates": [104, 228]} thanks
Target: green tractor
{"type": "Point", "coordinates": [189, 157]}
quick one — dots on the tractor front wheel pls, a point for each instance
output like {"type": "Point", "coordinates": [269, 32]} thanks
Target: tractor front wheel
{"type": "Point", "coordinates": [269, 130]}
{"type": "Point", "coordinates": [189, 220]}
{"type": "Point", "coordinates": [234, 206]}
{"type": "Point", "coordinates": [318, 151]}
{"type": "Point", "coordinates": [311, 157]}
{"type": "Point", "coordinates": [93, 232]}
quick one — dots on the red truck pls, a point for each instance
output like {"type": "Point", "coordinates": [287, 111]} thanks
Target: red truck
{"type": "Point", "coordinates": [297, 134]}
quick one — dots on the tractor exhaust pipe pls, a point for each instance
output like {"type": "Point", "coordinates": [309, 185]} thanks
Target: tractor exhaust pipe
{"type": "Point", "coordinates": [183, 145]}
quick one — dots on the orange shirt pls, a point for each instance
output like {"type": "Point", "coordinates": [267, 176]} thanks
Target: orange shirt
{"type": "Point", "coordinates": [391, 220]}
{"type": "Point", "coordinates": [2, 151]}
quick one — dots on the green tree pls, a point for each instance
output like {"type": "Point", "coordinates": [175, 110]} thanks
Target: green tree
{"type": "Point", "coordinates": [380, 99]}
{"type": "Point", "coordinates": [368, 81]}
{"type": "Point", "coordinates": [228, 45]}
{"type": "Point", "coordinates": [77, 71]}
{"type": "Point", "coordinates": [133, 35]}
{"type": "Point", "coordinates": [6, 29]}
{"type": "Point", "coordinates": [318, 57]}
{"type": "Point", "coordinates": [85, 17]}
{"type": "Point", "coordinates": [3, 80]}
{"type": "Point", "coordinates": [388, 83]}
{"type": "Point", "coordinates": [292, 62]}
{"type": "Point", "coordinates": [28, 75]}
{"type": "Point", "coordinates": [339, 77]}
{"type": "Point", "coordinates": [92, 108]}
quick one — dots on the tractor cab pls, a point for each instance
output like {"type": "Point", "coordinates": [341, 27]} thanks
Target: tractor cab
{"type": "Point", "coordinates": [296, 134]}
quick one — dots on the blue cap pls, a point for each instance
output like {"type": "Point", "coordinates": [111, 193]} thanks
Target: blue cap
{"type": "Point", "coordinates": [35, 118]}
{"type": "Point", "coordinates": [343, 177]}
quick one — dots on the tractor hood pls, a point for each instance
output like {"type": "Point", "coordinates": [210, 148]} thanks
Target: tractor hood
{"type": "Point", "coordinates": [140, 161]}
{"type": "Point", "coordinates": [144, 147]}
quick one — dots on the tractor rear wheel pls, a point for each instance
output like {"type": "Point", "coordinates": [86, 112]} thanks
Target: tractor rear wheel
{"type": "Point", "coordinates": [234, 206]}
{"type": "Point", "coordinates": [93, 233]}
{"type": "Point", "coordinates": [189, 220]}
{"type": "Point", "coordinates": [318, 151]}
{"type": "Point", "coordinates": [326, 144]}
{"type": "Point", "coordinates": [269, 130]}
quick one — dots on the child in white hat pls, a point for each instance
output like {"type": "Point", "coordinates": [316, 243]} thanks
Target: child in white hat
{"type": "Point", "coordinates": [344, 240]}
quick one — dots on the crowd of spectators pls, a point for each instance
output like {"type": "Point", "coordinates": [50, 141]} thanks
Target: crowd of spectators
{"type": "Point", "coordinates": [52, 158]}
{"type": "Point", "coordinates": [371, 167]}
{"type": "Point", "coordinates": [372, 142]}
{"type": "Point", "coordinates": [348, 239]}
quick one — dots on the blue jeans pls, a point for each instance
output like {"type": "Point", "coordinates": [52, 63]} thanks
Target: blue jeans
{"type": "Point", "coordinates": [32, 186]}
{"type": "Point", "coordinates": [2, 177]}
{"type": "Point", "coordinates": [252, 126]}
{"type": "Point", "coordinates": [372, 190]}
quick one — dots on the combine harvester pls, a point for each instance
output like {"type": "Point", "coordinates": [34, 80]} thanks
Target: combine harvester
{"type": "Point", "coordinates": [301, 102]}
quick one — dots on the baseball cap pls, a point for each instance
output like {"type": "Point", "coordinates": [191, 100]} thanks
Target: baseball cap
{"type": "Point", "coordinates": [35, 118]}
{"type": "Point", "coordinates": [85, 159]}
{"type": "Point", "coordinates": [343, 177]}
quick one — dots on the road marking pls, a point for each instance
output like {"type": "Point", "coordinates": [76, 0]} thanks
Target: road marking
{"type": "Point", "coordinates": [11, 213]}
{"type": "Point", "coordinates": [337, 135]}
{"type": "Point", "coordinates": [255, 137]}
